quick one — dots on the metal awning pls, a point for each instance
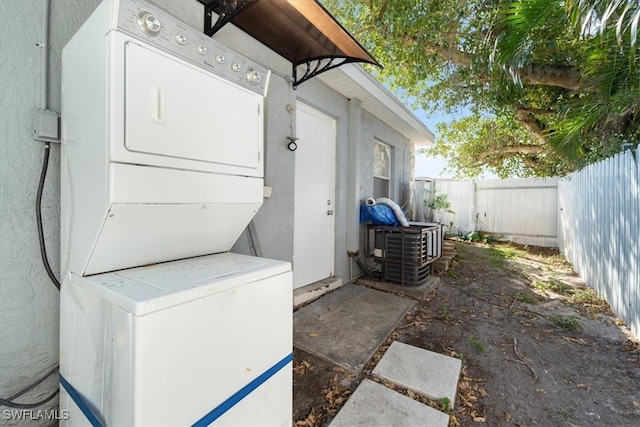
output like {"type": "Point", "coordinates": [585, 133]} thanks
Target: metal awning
{"type": "Point", "coordinates": [302, 31]}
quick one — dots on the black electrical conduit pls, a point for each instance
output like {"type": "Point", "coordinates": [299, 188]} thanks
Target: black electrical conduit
{"type": "Point", "coordinates": [45, 260]}
{"type": "Point", "coordinates": [9, 401]}
{"type": "Point", "coordinates": [43, 250]}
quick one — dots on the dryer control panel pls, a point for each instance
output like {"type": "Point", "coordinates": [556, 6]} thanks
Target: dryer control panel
{"type": "Point", "coordinates": [162, 30]}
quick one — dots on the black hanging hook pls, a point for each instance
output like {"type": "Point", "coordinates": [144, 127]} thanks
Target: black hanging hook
{"type": "Point", "coordinates": [292, 146]}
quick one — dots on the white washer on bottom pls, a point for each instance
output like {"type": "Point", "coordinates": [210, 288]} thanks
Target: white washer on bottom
{"type": "Point", "coordinates": [190, 342]}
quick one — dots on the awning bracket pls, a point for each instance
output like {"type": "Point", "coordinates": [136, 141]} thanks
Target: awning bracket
{"type": "Point", "coordinates": [228, 10]}
{"type": "Point", "coordinates": [321, 65]}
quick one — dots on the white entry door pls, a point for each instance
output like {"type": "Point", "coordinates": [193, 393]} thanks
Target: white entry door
{"type": "Point", "coordinates": [313, 229]}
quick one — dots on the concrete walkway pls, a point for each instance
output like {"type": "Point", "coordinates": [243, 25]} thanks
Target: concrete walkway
{"type": "Point", "coordinates": [347, 327]}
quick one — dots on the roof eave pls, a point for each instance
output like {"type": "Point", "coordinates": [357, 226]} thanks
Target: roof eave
{"type": "Point", "coordinates": [353, 81]}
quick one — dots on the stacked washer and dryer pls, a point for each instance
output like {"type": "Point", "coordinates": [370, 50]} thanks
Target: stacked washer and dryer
{"type": "Point", "coordinates": [162, 170]}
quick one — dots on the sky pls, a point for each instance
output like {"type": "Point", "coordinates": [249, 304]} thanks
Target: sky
{"type": "Point", "coordinates": [436, 167]}
{"type": "Point", "coordinates": [430, 167]}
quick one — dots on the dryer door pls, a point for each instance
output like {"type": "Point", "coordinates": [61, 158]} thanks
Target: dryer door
{"type": "Point", "coordinates": [180, 111]}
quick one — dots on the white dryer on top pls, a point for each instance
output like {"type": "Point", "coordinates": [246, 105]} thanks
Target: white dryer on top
{"type": "Point", "coordinates": [162, 154]}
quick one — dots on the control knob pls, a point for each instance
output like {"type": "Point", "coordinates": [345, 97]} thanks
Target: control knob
{"type": "Point", "coordinates": [149, 23]}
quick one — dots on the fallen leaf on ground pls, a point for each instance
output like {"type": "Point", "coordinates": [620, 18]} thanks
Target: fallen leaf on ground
{"type": "Point", "coordinates": [302, 367]}
{"type": "Point", "coordinates": [310, 421]}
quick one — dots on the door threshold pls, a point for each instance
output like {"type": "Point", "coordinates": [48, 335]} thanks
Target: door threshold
{"type": "Point", "coordinates": [315, 290]}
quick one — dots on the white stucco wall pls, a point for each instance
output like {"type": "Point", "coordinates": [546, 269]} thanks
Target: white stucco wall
{"type": "Point", "coordinates": [28, 299]}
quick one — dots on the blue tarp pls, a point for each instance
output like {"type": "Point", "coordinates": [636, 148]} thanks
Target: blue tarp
{"type": "Point", "coordinates": [378, 214]}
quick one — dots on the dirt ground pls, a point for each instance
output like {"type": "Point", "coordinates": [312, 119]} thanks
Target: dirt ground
{"type": "Point", "coordinates": [538, 348]}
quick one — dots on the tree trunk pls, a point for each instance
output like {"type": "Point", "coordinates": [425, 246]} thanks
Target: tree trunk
{"type": "Point", "coordinates": [552, 75]}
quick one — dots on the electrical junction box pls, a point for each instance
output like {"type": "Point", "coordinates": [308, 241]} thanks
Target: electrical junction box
{"type": "Point", "coordinates": [46, 125]}
{"type": "Point", "coordinates": [267, 191]}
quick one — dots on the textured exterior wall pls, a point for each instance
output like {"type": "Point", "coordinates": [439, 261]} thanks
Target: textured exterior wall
{"type": "Point", "coordinates": [28, 299]}
{"type": "Point", "coordinates": [373, 129]}
{"type": "Point", "coordinates": [274, 221]}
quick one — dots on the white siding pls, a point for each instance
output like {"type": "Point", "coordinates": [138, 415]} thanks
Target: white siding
{"type": "Point", "coordinates": [524, 208]}
{"type": "Point", "coordinates": [600, 231]}
{"type": "Point", "coordinates": [461, 195]}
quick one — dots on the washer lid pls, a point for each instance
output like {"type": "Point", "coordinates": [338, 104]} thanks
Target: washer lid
{"type": "Point", "coordinates": [144, 290]}
{"type": "Point", "coordinates": [185, 274]}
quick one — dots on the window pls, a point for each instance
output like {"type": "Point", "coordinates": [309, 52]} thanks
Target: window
{"type": "Point", "coordinates": [381, 169]}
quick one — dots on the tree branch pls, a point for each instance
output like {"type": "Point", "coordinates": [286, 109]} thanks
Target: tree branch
{"type": "Point", "coordinates": [528, 121]}
{"type": "Point", "coordinates": [512, 149]}
{"type": "Point", "coordinates": [364, 29]}
{"type": "Point", "coordinates": [382, 10]}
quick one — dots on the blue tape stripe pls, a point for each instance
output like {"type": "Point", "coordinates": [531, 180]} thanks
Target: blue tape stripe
{"type": "Point", "coordinates": [75, 395]}
{"type": "Point", "coordinates": [242, 393]}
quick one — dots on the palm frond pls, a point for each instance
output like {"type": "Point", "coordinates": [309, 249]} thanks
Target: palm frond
{"type": "Point", "coordinates": [523, 25]}
{"type": "Point", "coordinates": [600, 16]}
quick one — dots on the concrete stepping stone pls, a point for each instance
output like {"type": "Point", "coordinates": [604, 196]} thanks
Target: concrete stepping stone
{"type": "Point", "coordinates": [422, 371]}
{"type": "Point", "coordinates": [374, 405]}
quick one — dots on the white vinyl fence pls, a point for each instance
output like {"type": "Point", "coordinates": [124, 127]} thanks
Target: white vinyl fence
{"type": "Point", "coordinates": [593, 216]}
{"type": "Point", "coordinates": [461, 195]}
{"type": "Point", "coordinates": [523, 210]}
{"type": "Point", "coordinates": [599, 216]}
